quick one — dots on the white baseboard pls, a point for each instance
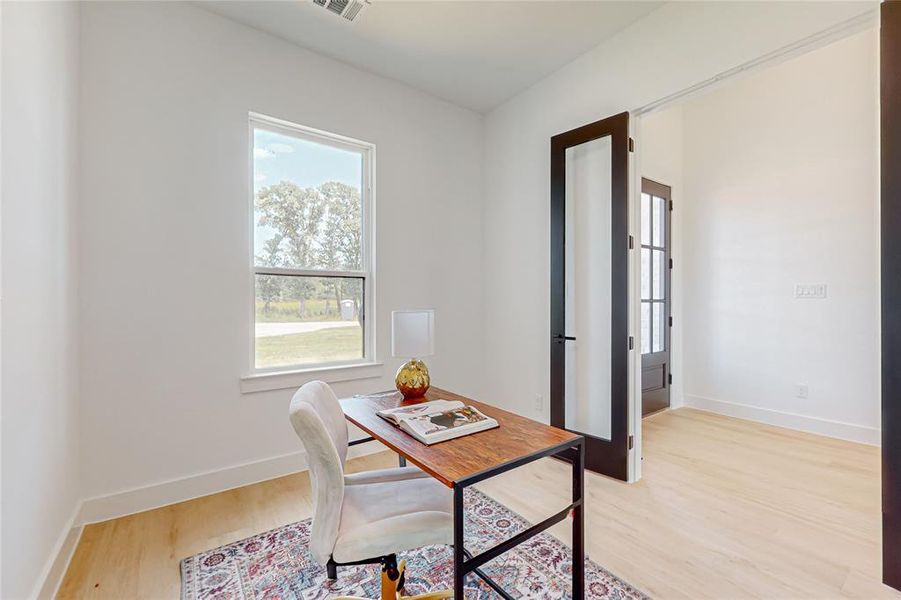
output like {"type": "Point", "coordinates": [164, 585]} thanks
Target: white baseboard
{"type": "Point", "coordinates": [53, 572]}
{"type": "Point", "coordinates": [127, 502]}
{"type": "Point", "coordinates": [835, 429]}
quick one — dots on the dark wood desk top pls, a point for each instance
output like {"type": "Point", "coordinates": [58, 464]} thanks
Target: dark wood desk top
{"type": "Point", "coordinates": [454, 460]}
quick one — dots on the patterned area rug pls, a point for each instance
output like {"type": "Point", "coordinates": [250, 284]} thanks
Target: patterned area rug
{"type": "Point", "coordinates": [277, 565]}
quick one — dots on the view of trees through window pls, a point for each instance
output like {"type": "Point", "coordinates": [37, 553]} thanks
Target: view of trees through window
{"type": "Point", "coordinates": [308, 251]}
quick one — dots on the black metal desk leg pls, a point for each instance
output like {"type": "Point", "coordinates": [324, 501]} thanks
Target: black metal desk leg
{"type": "Point", "coordinates": [459, 557]}
{"type": "Point", "coordinates": [578, 523]}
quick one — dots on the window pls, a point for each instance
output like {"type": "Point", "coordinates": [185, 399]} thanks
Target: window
{"type": "Point", "coordinates": [312, 231]}
{"type": "Point", "coordinates": [654, 273]}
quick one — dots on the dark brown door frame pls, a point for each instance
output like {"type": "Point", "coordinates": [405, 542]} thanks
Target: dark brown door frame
{"type": "Point", "coordinates": [890, 218]}
{"type": "Point", "coordinates": [609, 457]}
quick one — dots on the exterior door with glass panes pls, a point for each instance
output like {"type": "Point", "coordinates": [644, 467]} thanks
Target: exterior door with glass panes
{"type": "Point", "coordinates": [656, 265]}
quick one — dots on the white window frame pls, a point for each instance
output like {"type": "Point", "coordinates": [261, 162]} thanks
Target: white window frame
{"type": "Point", "coordinates": [335, 370]}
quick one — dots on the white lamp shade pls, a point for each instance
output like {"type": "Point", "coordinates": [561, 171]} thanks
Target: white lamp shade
{"type": "Point", "coordinates": [412, 333]}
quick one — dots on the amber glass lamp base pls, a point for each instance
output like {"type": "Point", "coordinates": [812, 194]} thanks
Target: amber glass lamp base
{"type": "Point", "coordinates": [412, 379]}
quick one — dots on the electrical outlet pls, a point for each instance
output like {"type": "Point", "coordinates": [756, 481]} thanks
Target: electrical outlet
{"type": "Point", "coordinates": [539, 402]}
{"type": "Point", "coordinates": [801, 390]}
{"type": "Point", "coordinates": [810, 291]}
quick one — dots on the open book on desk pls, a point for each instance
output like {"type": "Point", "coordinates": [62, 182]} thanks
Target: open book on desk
{"type": "Point", "coordinates": [438, 420]}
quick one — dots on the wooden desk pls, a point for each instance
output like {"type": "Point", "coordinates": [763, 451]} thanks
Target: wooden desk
{"type": "Point", "coordinates": [461, 462]}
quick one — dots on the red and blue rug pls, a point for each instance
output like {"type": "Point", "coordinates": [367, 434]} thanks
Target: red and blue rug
{"type": "Point", "coordinates": [276, 565]}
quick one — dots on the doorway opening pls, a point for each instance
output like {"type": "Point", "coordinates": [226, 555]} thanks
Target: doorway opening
{"type": "Point", "coordinates": [774, 296]}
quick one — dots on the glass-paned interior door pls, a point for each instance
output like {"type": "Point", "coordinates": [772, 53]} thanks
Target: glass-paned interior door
{"type": "Point", "coordinates": [590, 289]}
{"type": "Point", "coordinates": [655, 295]}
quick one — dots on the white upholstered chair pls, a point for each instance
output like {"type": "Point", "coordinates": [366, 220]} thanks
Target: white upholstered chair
{"type": "Point", "coordinates": [364, 517]}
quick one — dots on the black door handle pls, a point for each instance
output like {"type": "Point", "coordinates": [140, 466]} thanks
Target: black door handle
{"type": "Point", "coordinates": [562, 338]}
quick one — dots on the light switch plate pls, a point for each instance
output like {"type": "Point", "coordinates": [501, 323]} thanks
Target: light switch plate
{"type": "Point", "coordinates": [808, 291]}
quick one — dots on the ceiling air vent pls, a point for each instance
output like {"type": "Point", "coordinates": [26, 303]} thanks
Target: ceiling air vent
{"type": "Point", "coordinates": [349, 9]}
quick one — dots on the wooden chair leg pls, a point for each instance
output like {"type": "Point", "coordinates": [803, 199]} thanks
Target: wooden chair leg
{"type": "Point", "coordinates": [390, 577]}
{"type": "Point", "coordinates": [439, 595]}
{"type": "Point", "coordinates": [393, 584]}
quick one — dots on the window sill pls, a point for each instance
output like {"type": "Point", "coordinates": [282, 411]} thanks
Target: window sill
{"type": "Point", "coordinates": [282, 380]}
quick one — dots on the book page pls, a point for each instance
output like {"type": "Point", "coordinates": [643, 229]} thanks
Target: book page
{"type": "Point", "coordinates": [418, 410]}
{"type": "Point", "coordinates": [430, 425]}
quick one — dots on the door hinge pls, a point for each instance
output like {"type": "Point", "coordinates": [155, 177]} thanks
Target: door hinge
{"type": "Point", "coordinates": [631, 145]}
{"type": "Point", "coordinates": [670, 321]}
{"type": "Point", "coordinates": [671, 206]}
{"type": "Point", "coordinates": [631, 442]}
{"type": "Point", "coordinates": [670, 263]}
{"type": "Point", "coordinates": [669, 379]}
{"type": "Point", "coordinates": [631, 243]}
{"type": "Point", "coordinates": [631, 342]}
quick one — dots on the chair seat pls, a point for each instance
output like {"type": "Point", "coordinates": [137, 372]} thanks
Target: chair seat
{"type": "Point", "coordinates": [391, 516]}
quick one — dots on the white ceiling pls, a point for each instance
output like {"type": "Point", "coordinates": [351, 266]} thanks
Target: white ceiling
{"type": "Point", "coordinates": [473, 53]}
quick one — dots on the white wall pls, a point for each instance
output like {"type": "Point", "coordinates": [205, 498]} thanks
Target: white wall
{"type": "Point", "coordinates": [660, 159]}
{"type": "Point", "coordinates": [165, 265]}
{"type": "Point", "coordinates": [781, 187]}
{"type": "Point", "coordinates": [40, 448]}
{"type": "Point", "coordinates": [676, 46]}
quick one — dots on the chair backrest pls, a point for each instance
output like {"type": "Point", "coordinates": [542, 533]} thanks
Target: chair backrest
{"type": "Point", "coordinates": [319, 422]}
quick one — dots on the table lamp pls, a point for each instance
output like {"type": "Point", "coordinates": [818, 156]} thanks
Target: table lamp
{"type": "Point", "coordinates": [412, 336]}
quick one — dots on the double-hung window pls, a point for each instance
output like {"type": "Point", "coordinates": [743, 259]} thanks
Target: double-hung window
{"type": "Point", "coordinates": [312, 237]}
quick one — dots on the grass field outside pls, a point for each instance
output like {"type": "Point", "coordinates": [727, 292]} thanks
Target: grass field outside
{"type": "Point", "coordinates": [288, 311]}
{"type": "Point", "coordinates": [325, 345]}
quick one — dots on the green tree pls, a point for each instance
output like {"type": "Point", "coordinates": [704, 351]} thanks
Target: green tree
{"type": "Point", "coordinates": [341, 233]}
{"type": "Point", "coordinates": [340, 238]}
{"type": "Point", "coordinates": [269, 288]}
{"type": "Point", "coordinates": [295, 213]}
{"type": "Point", "coordinates": [318, 227]}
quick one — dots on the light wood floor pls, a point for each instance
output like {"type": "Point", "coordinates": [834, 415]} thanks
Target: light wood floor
{"type": "Point", "coordinates": [727, 509]}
